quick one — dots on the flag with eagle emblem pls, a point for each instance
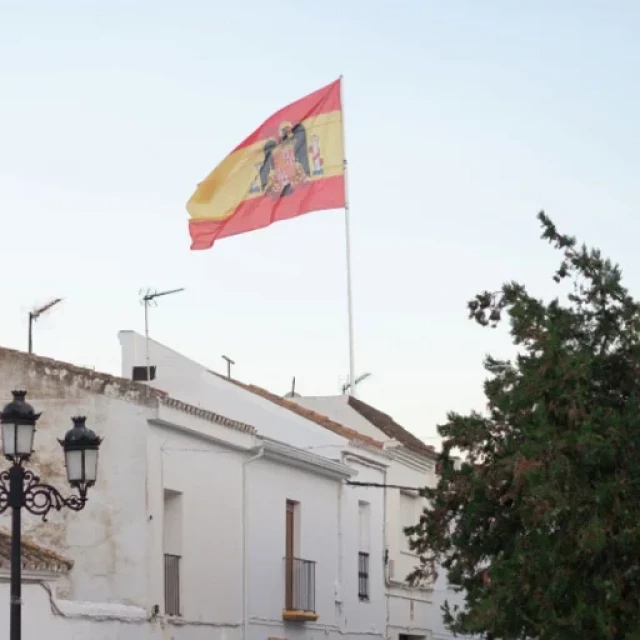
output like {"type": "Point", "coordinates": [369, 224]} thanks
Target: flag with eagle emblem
{"type": "Point", "coordinates": [291, 165]}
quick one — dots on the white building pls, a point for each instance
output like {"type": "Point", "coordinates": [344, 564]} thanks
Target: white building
{"type": "Point", "coordinates": [341, 531]}
{"type": "Point", "coordinates": [218, 514]}
{"type": "Point", "coordinates": [412, 612]}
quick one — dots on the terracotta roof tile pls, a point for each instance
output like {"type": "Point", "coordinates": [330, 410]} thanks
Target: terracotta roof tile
{"type": "Point", "coordinates": [391, 428]}
{"type": "Point", "coordinates": [318, 418]}
{"type": "Point", "coordinates": [34, 557]}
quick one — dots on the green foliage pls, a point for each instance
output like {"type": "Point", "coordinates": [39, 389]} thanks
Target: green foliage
{"type": "Point", "coordinates": [540, 523]}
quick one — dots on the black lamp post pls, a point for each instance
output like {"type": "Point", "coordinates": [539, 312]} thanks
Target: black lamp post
{"type": "Point", "coordinates": [20, 488]}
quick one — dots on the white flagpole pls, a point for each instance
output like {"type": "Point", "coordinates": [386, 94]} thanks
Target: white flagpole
{"type": "Point", "coordinates": [347, 229]}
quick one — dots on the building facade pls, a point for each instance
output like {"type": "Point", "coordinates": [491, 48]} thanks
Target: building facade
{"type": "Point", "coordinates": [337, 531]}
{"type": "Point", "coordinates": [413, 612]}
{"type": "Point", "coordinates": [201, 525]}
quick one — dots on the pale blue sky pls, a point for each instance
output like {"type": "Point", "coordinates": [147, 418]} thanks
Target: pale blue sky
{"type": "Point", "coordinates": [463, 119]}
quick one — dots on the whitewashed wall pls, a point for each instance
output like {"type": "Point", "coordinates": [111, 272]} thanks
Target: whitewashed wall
{"type": "Point", "coordinates": [39, 621]}
{"type": "Point", "coordinates": [269, 486]}
{"type": "Point", "coordinates": [56, 619]}
{"type": "Point", "coordinates": [412, 611]}
{"type": "Point", "coordinates": [191, 382]}
{"type": "Point", "coordinates": [208, 477]}
{"type": "Point", "coordinates": [333, 524]}
{"type": "Point", "coordinates": [117, 543]}
{"type": "Point", "coordinates": [107, 540]}
{"type": "Point", "coordinates": [363, 617]}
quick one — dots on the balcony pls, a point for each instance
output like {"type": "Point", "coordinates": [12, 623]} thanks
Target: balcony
{"type": "Point", "coordinates": [171, 584]}
{"type": "Point", "coordinates": [299, 590]}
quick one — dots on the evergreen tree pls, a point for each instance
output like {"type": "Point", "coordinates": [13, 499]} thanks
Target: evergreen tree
{"type": "Point", "coordinates": [539, 522]}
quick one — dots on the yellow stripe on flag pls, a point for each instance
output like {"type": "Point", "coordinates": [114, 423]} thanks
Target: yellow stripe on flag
{"type": "Point", "coordinates": [229, 184]}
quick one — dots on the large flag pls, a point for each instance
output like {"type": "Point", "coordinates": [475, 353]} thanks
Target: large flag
{"type": "Point", "coordinates": [292, 164]}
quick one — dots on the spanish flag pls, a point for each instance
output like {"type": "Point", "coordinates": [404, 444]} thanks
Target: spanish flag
{"type": "Point", "coordinates": [291, 165]}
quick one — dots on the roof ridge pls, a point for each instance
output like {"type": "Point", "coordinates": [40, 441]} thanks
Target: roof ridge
{"type": "Point", "coordinates": [314, 416]}
{"type": "Point", "coordinates": [309, 414]}
{"type": "Point", "coordinates": [391, 428]}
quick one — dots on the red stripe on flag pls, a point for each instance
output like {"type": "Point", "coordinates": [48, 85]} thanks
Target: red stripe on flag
{"type": "Point", "coordinates": [323, 100]}
{"type": "Point", "coordinates": [258, 213]}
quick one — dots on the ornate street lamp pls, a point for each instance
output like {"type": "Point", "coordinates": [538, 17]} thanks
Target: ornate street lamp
{"type": "Point", "coordinates": [20, 488]}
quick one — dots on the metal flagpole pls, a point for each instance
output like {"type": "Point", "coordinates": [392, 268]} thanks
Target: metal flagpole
{"type": "Point", "coordinates": [347, 229]}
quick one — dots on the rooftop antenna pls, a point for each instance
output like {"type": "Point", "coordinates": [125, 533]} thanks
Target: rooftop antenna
{"type": "Point", "coordinates": [229, 363]}
{"type": "Point", "coordinates": [348, 387]}
{"type": "Point", "coordinates": [292, 393]}
{"type": "Point", "coordinates": [149, 297]}
{"type": "Point", "coordinates": [35, 314]}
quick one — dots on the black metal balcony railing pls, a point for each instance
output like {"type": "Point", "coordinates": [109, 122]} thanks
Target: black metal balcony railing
{"type": "Point", "coordinates": [300, 585]}
{"type": "Point", "coordinates": [363, 576]}
{"type": "Point", "coordinates": [171, 584]}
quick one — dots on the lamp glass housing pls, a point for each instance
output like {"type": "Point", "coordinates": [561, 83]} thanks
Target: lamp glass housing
{"type": "Point", "coordinates": [17, 440]}
{"type": "Point", "coordinates": [82, 466]}
{"type": "Point", "coordinates": [18, 420]}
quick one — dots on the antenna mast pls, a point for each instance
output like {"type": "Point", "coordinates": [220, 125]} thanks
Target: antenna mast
{"type": "Point", "coordinates": [148, 298]}
{"type": "Point", "coordinates": [35, 314]}
{"type": "Point", "coordinates": [348, 386]}
{"type": "Point", "coordinates": [229, 363]}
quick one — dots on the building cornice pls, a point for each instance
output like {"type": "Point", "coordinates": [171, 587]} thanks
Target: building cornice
{"type": "Point", "coordinates": [375, 451]}
{"type": "Point", "coordinates": [201, 435]}
{"type": "Point", "coordinates": [302, 459]}
{"type": "Point", "coordinates": [410, 458]}
{"type": "Point", "coordinates": [32, 575]}
{"type": "Point", "coordinates": [207, 415]}
{"type": "Point", "coordinates": [366, 460]}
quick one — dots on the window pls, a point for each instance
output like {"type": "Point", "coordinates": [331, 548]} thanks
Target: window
{"type": "Point", "coordinates": [172, 551]}
{"type": "Point", "coordinates": [409, 516]}
{"type": "Point", "coordinates": [140, 374]}
{"type": "Point", "coordinates": [364, 542]}
{"type": "Point", "coordinates": [290, 532]}
{"type": "Point", "coordinates": [171, 584]}
{"type": "Point", "coordinates": [364, 525]}
{"type": "Point", "coordinates": [363, 575]}
{"type": "Point", "coordinates": [289, 552]}
{"type": "Point", "coordinates": [300, 575]}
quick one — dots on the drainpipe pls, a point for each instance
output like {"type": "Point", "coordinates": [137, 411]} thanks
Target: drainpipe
{"type": "Point", "coordinates": [340, 584]}
{"type": "Point", "coordinates": [245, 564]}
{"type": "Point", "coordinates": [161, 523]}
{"type": "Point", "coordinates": [385, 566]}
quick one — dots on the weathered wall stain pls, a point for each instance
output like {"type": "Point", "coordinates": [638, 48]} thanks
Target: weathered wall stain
{"type": "Point", "coordinates": [106, 540]}
{"type": "Point", "coordinates": [50, 376]}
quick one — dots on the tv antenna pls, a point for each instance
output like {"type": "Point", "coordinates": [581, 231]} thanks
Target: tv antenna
{"type": "Point", "coordinates": [35, 314]}
{"type": "Point", "coordinates": [149, 298]}
{"type": "Point", "coordinates": [229, 363]}
{"type": "Point", "coordinates": [347, 386]}
{"type": "Point", "coordinates": [292, 393]}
